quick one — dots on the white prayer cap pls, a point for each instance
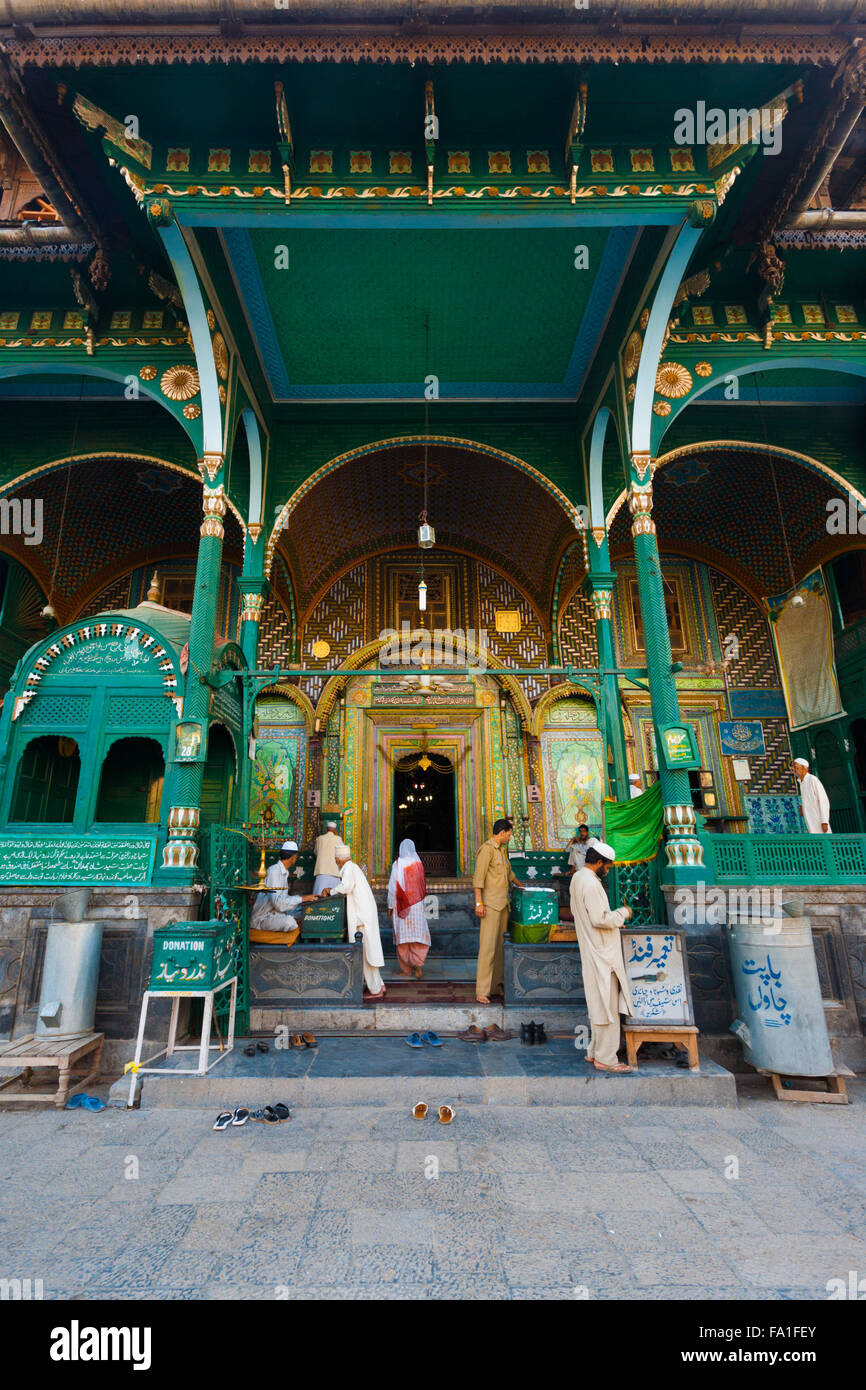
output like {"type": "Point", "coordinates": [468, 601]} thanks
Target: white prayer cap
{"type": "Point", "coordinates": [330, 825]}
{"type": "Point", "coordinates": [601, 848]}
{"type": "Point", "coordinates": [289, 847]}
{"type": "Point", "coordinates": [803, 761]}
{"type": "Point", "coordinates": [342, 851]}
{"type": "Point", "coordinates": [634, 776]}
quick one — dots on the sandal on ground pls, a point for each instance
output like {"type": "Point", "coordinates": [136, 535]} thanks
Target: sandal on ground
{"type": "Point", "coordinates": [223, 1120]}
{"type": "Point", "coordinates": [282, 1111]}
{"type": "Point", "coordinates": [309, 1040]}
{"type": "Point", "coordinates": [432, 1038]}
{"type": "Point", "coordinates": [419, 1111]}
{"type": "Point", "coordinates": [262, 1047]}
{"type": "Point", "coordinates": [267, 1115]}
{"type": "Point", "coordinates": [446, 1114]}
{"type": "Point", "coordinates": [241, 1115]}
{"type": "Point", "coordinates": [250, 1050]}
{"type": "Point", "coordinates": [414, 1040]}
{"type": "Point", "coordinates": [296, 1040]}
{"type": "Point", "coordinates": [620, 1066]}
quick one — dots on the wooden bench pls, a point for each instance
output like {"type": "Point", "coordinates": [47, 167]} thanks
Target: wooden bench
{"type": "Point", "coordinates": [680, 1034]}
{"type": "Point", "coordinates": [67, 1055]}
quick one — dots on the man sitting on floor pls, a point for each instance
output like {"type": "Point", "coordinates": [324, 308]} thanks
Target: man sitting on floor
{"type": "Point", "coordinates": [273, 908]}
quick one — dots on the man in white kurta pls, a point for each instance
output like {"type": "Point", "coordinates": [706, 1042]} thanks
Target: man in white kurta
{"type": "Point", "coordinates": [634, 786]}
{"type": "Point", "coordinates": [326, 871]}
{"type": "Point", "coordinates": [272, 910]}
{"type": "Point", "coordinates": [362, 916]}
{"type": "Point", "coordinates": [605, 982]}
{"type": "Point", "coordinates": [814, 801]}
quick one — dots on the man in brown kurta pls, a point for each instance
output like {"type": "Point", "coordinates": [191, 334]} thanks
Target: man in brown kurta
{"type": "Point", "coordinates": [491, 881]}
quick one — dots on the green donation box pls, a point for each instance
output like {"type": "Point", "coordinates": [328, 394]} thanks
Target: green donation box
{"type": "Point", "coordinates": [533, 912]}
{"type": "Point", "coordinates": [325, 920]}
{"type": "Point", "coordinates": [193, 955]}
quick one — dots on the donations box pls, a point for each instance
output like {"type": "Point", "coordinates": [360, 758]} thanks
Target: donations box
{"type": "Point", "coordinates": [325, 920]}
{"type": "Point", "coordinates": [193, 955]}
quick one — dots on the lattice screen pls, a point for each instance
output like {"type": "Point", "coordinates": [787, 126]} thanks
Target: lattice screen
{"type": "Point", "coordinates": [59, 710]}
{"type": "Point", "coordinates": [739, 615]}
{"type": "Point", "coordinates": [577, 643]}
{"type": "Point", "coordinates": [139, 711]}
{"type": "Point", "coordinates": [523, 648]}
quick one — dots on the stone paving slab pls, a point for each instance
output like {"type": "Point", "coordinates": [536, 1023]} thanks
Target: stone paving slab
{"type": "Point", "coordinates": [349, 1202]}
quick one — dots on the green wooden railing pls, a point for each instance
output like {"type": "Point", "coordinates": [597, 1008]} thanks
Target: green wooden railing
{"type": "Point", "coordinates": [830, 859]}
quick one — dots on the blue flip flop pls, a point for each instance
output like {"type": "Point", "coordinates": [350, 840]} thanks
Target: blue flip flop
{"type": "Point", "coordinates": [414, 1040]}
{"type": "Point", "coordinates": [83, 1102]}
{"type": "Point", "coordinates": [432, 1038]}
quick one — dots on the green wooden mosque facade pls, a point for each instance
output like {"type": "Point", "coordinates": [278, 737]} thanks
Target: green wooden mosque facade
{"type": "Point", "coordinates": [290, 290]}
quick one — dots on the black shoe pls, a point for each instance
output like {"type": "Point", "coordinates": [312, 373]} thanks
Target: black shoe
{"type": "Point", "coordinates": [527, 1034]}
{"type": "Point", "coordinates": [540, 1035]}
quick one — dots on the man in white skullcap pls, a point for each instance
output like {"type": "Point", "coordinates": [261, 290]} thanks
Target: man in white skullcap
{"type": "Point", "coordinates": [362, 915]}
{"type": "Point", "coordinates": [273, 908]}
{"type": "Point", "coordinates": [326, 871]}
{"type": "Point", "coordinates": [605, 982]}
{"type": "Point", "coordinates": [814, 801]}
{"type": "Point", "coordinates": [634, 786]}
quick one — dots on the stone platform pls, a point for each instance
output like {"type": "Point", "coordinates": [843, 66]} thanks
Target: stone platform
{"type": "Point", "coordinates": [376, 1070]}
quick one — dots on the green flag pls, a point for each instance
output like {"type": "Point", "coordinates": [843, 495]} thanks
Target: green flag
{"type": "Point", "coordinates": [633, 828]}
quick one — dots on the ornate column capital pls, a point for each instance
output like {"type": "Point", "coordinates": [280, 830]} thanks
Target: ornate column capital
{"type": "Point", "coordinates": [214, 507]}
{"type": "Point", "coordinates": [642, 462]}
{"type": "Point", "coordinates": [598, 586]}
{"type": "Point", "coordinates": [640, 504]}
{"type": "Point", "coordinates": [211, 464]}
{"type": "Point", "coordinates": [252, 609]}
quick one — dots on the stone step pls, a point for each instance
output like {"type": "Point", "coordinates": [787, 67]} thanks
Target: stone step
{"type": "Point", "coordinates": [400, 1019]}
{"type": "Point", "coordinates": [383, 1071]}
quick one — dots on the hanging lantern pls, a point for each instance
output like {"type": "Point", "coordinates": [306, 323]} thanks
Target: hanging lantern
{"type": "Point", "coordinates": [426, 536]}
{"type": "Point", "coordinates": [422, 596]}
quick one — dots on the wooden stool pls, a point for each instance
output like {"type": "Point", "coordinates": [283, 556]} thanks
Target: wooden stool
{"type": "Point", "coordinates": [66, 1055]}
{"type": "Point", "coordinates": [680, 1034]}
{"type": "Point", "coordinates": [835, 1094]}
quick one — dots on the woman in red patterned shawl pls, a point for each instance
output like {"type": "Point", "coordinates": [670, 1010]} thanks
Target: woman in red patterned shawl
{"type": "Point", "coordinates": [407, 890]}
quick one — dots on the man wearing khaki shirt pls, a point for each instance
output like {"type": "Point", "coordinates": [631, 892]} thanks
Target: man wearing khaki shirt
{"type": "Point", "coordinates": [491, 880]}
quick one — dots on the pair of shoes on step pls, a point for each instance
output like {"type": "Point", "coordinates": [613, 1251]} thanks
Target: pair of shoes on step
{"type": "Point", "coordinates": [494, 1033]}
{"type": "Point", "coordinates": [446, 1112]}
{"type": "Point", "coordinates": [268, 1114]}
{"type": "Point", "coordinates": [419, 1039]}
{"type": "Point", "coordinates": [532, 1033]}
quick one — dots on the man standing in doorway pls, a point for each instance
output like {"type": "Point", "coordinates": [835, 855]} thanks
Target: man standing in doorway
{"type": "Point", "coordinates": [814, 801]}
{"type": "Point", "coordinates": [326, 871]}
{"type": "Point", "coordinates": [634, 786]}
{"type": "Point", "coordinates": [491, 881]}
{"type": "Point", "coordinates": [605, 982]}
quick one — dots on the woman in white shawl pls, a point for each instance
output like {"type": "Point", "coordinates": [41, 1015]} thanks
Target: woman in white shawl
{"type": "Point", "coordinates": [407, 890]}
{"type": "Point", "coordinates": [362, 916]}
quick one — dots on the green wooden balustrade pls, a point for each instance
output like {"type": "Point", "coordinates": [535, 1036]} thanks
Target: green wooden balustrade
{"type": "Point", "coordinates": [830, 859]}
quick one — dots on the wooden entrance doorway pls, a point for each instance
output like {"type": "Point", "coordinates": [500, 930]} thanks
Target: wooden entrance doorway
{"type": "Point", "coordinates": [424, 809]}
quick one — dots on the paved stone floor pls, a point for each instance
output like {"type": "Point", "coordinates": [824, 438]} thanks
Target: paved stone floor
{"type": "Point", "coordinates": [765, 1201]}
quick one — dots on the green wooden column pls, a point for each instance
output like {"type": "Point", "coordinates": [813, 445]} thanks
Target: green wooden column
{"type": "Point", "coordinates": [182, 846]}
{"type": "Point", "coordinates": [599, 585]}
{"type": "Point", "coordinates": [253, 592]}
{"type": "Point", "coordinates": [683, 850]}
